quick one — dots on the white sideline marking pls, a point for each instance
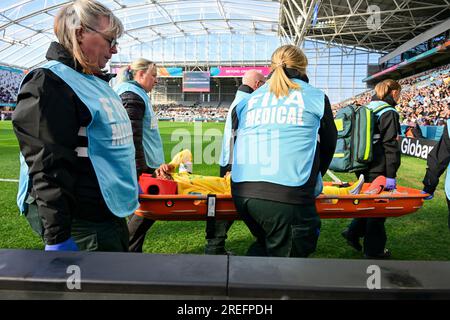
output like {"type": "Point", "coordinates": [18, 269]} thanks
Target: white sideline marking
{"type": "Point", "coordinates": [9, 180]}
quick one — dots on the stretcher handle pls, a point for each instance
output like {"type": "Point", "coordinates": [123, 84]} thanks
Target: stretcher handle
{"type": "Point", "coordinates": [372, 196]}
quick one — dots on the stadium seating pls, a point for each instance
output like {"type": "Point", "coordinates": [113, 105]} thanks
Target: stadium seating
{"type": "Point", "coordinates": [207, 111]}
{"type": "Point", "coordinates": [425, 98]}
{"type": "Point", "coordinates": [9, 85]}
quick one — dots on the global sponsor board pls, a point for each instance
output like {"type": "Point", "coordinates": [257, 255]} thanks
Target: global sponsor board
{"type": "Point", "coordinates": [419, 148]}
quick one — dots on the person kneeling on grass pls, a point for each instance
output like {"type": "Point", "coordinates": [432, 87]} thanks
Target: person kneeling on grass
{"type": "Point", "coordinates": [189, 183]}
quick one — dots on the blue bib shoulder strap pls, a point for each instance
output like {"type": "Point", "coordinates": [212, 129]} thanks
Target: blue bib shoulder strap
{"type": "Point", "coordinates": [380, 107]}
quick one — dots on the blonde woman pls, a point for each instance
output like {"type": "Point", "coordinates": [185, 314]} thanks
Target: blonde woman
{"type": "Point", "coordinates": [285, 140]}
{"type": "Point", "coordinates": [135, 82]}
{"type": "Point", "coordinates": [78, 178]}
{"type": "Point", "coordinates": [386, 161]}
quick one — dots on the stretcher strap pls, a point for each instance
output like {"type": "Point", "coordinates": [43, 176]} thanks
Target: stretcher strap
{"type": "Point", "coordinates": [211, 206]}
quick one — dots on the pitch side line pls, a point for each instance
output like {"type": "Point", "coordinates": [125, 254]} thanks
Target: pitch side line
{"type": "Point", "coordinates": [9, 180]}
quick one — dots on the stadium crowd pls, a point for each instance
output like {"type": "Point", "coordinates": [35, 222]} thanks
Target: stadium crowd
{"type": "Point", "coordinates": [9, 86]}
{"type": "Point", "coordinates": [425, 98]}
{"type": "Point", "coordinates": [179, 112]}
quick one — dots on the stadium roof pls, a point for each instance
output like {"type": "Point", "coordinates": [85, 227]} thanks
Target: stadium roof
{"type": "Point", "coordinates": [26, 26]}
{"type": "Point", "coordinates": [355, 22]}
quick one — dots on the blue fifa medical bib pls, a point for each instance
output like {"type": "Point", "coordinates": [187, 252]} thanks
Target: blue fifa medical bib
{"type": "Point", "coordinates": [277, 138]}
{"type": "Point", "coordinates": [151, 138]}
{"type": "Point", "coordinates": [110, 140]}
{"type": "Point", "coordinates": [227, 132]}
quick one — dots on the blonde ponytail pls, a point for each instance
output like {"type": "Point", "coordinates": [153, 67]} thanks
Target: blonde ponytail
{"type": "Point", "coordinates": [128, 72]}
{"type": "Point", "coordinates": [287, 56]}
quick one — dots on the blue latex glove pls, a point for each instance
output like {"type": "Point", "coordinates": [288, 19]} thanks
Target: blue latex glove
{"type": "Point", "coordinates": [68, 245]}
{"type": "Point", "coordinates": [429, 197]}
{"type": "Point", "coordinates": [390, 184]}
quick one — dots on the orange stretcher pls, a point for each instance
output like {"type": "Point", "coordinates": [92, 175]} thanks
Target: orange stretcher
{"type": "Point", "coordinates": [202, 207]}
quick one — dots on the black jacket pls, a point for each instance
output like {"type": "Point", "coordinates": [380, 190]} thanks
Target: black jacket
{"type": "Point", "coordinates": [46, 121]}
{"type": "Point", "coordinates": [437, 161]}
{"type": "Point", "coordinates": [322, 158]}
{"type": "Point", "coordinates": [386, 152]}
{"type": "Point", "coordinates": [135, 107]}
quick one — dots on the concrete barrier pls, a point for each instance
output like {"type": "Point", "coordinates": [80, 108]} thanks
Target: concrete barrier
{"type": "Point", "coordinates": [31, 274]}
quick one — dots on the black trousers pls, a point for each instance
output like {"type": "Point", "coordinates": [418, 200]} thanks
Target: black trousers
{"type": "Point", "coordinates": [216, 234]}
{"type": "Point", "coordinates": [110, 235]}
{"type": "Point", "coordinates": [280, 229]}
{"type": "Point", "coordinates": [137, 228]}
{"type": "Point", "coordinates": [373, 232]}
{"type": "Point", "coordinates": [371, 229]}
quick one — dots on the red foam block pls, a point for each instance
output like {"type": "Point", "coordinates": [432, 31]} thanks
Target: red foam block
{"type": "Point", "coordinates": [150, 185]}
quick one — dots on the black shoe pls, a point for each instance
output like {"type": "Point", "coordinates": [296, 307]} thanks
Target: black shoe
{"type": "Point", "coordinates": [385, 255]}
{"type": "Point", "coordinates": [352, 242]}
